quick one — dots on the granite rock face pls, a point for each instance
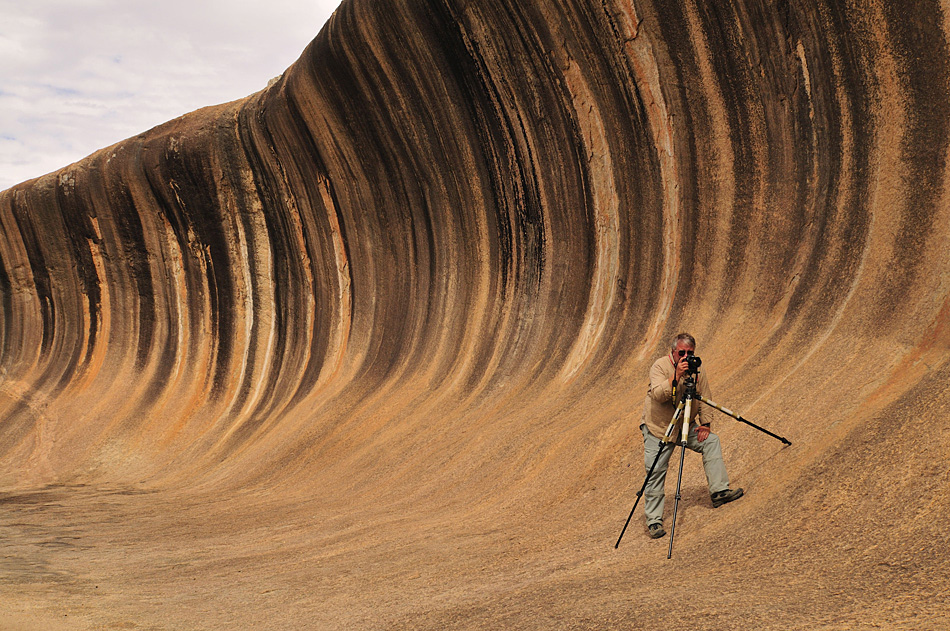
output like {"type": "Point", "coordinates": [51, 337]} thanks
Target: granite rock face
{"type": "Point", "coordinates": [421, 277]}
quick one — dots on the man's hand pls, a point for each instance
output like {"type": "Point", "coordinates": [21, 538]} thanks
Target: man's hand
{"type": "Point", "coordinates": [681, 368]}
{"type": "Point", "coordinates": [702, 433]}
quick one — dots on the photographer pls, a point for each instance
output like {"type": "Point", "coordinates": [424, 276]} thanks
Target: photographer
{"type": "Point", "coordinates": [666, 376]}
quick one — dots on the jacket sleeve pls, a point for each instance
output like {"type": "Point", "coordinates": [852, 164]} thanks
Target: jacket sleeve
{"type": "Point", "coordinates": [660, 389]}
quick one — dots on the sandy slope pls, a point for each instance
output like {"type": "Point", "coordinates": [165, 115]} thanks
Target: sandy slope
{"type": "Point", "coordinates": [368, 349]}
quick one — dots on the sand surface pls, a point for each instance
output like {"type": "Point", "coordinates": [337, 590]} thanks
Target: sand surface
{"type": "Point", "coordinates": [368, 349]}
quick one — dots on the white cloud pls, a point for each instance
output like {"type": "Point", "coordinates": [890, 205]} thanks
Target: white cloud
{"type": "Point", "coordinates": [79, 75]}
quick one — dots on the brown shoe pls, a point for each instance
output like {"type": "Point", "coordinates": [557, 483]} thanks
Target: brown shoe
{"type": "Point", "coordinates": [656, 530]}
{"type": "Point", "coordinates": [724, 497]}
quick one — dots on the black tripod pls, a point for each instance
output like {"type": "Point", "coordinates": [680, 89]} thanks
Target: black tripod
{"type": "Point", "coordinates": [684, 406]}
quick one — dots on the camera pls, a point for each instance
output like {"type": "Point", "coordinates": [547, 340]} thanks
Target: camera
{"type": "Point", "coordinates": [693, 362]}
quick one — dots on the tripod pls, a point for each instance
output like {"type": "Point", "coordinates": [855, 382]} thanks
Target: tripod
{"type": "Point", "coordinates": [685, 405]}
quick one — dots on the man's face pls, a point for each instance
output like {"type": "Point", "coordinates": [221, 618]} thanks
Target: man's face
{"type": "Point", "coordinates": [683, 348]}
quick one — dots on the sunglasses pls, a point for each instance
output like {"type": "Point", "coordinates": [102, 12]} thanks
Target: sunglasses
{"type": "Point", "coordinates": [684, 353]}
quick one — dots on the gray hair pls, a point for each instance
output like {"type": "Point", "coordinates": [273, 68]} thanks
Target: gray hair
{"type": "Point", "coordinates": [685, 337]}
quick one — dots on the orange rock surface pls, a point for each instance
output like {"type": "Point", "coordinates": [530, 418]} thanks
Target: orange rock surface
{"type": "Point", "coordinates": [368, 349]}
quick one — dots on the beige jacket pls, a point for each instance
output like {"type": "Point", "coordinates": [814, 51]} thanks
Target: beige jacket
{"type": "Point", "coordinates": [659, 407]}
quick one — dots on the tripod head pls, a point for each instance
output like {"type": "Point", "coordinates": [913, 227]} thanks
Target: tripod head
{"type": "Point", "coordinates": [693, 362]}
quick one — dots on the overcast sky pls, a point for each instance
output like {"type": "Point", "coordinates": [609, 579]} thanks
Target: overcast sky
{"type": "Point", "coordinates": [80, 75]}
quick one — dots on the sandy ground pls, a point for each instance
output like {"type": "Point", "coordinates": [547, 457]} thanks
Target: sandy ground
{"type": "Point", "coordinates": [368, 349]}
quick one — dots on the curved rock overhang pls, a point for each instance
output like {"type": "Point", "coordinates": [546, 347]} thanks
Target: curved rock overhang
{"type": "Point", "coordinates": [421, 278]}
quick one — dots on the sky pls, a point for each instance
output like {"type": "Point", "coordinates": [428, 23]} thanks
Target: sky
{"type": "Point", "coordinates": [80, 75]}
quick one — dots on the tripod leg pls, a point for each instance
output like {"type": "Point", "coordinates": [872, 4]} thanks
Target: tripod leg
{"type": "Point", "coordinates": [742, 420]}
{"type": "Point", "coordinates": [679, 481]}
{"type": "Point", "coordinates": [659, 452]}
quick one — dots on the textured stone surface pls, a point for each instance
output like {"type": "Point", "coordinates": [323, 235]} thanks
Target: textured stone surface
{"type": "Point", "coordinates": [368, 348]}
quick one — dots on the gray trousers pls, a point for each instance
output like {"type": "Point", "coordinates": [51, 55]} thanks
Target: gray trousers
{"type": "Point", "coordinates": [653, 495]}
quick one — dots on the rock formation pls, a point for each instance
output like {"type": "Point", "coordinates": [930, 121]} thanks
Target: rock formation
{"type": "Point", "coordinates": [368, 348]}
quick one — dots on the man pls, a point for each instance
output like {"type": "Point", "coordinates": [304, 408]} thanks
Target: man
{"type": "Point", "coordinates": [668, 374]}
